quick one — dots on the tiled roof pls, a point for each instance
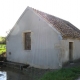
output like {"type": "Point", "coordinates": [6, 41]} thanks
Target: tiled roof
{"type": "Point", "coordinates": [66, 29]}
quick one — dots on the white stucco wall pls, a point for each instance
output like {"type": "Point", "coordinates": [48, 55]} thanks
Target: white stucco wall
{"type": "Point", "coordinates": [65, 49]}
{"type": "Point", "coordinates": [45, 40]}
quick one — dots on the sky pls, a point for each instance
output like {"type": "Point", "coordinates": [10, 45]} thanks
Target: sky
{"type": "Point", "coordinates": [11, 10]}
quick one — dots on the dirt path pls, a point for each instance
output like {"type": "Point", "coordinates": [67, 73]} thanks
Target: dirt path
{"type": "Point", "coordinates": [26, 74]}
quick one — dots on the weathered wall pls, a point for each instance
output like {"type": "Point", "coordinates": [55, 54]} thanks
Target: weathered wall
{"type": "Point", "coordinates": [45, 40]}
{"type": "Point", "coordinates": [65, 49]}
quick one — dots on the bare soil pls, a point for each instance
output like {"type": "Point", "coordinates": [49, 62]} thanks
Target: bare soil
{"type": "Point", "coordinates": [25, 74]}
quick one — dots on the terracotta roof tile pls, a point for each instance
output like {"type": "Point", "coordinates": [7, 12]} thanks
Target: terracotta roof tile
{"type": "Point", "coordinates": [66, 29]}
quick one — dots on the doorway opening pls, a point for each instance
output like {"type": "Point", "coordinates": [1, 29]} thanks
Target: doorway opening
{"type": "Point", "coordinates": [71, 51]}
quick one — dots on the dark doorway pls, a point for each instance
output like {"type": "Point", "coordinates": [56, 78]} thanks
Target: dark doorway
{"type": "Point", "coordinates": [71, 51]}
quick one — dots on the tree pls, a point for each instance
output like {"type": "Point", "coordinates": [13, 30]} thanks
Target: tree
{"type": "Point", "coordinates": [2, 40]}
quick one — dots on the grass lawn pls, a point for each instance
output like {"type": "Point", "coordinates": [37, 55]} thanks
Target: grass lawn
{"type": "Point", "coordinates": [62, 74]}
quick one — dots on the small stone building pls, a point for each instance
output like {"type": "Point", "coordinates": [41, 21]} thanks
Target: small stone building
{"type": "Point", "coordinates": [42, 40]}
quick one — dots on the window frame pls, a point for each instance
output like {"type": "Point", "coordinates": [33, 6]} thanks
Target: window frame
{"type": "Point", "coordinates": [24, 40]}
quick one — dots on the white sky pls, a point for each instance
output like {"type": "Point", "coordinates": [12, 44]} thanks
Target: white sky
{"type": "Point", "coordinates": [10, 11]}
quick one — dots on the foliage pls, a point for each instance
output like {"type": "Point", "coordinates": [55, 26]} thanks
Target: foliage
{"type": "Point", "coordinates": [2, 48]}
{"type": "Point", "coordinates": [2, 40]}
{"type": "Point", "coordinates": [2, 45]}
{"type": "Point", "coordinates": [63, 74]}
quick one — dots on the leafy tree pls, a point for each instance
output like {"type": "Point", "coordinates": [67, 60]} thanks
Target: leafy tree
{"type": "Point", "coordinates": [2, 40]}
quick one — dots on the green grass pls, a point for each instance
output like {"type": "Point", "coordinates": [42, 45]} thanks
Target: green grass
{"type": "Point", "coordinates": [2, 48]}
{"type": "Point", "coordinates": [63, 74]}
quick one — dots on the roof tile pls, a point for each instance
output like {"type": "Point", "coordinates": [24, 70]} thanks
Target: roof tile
{"type": "Point", "coordinates": [66, 29]}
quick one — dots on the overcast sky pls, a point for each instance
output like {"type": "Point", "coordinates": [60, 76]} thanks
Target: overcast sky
{"type": "Point", "coordinates": [10, 11]}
